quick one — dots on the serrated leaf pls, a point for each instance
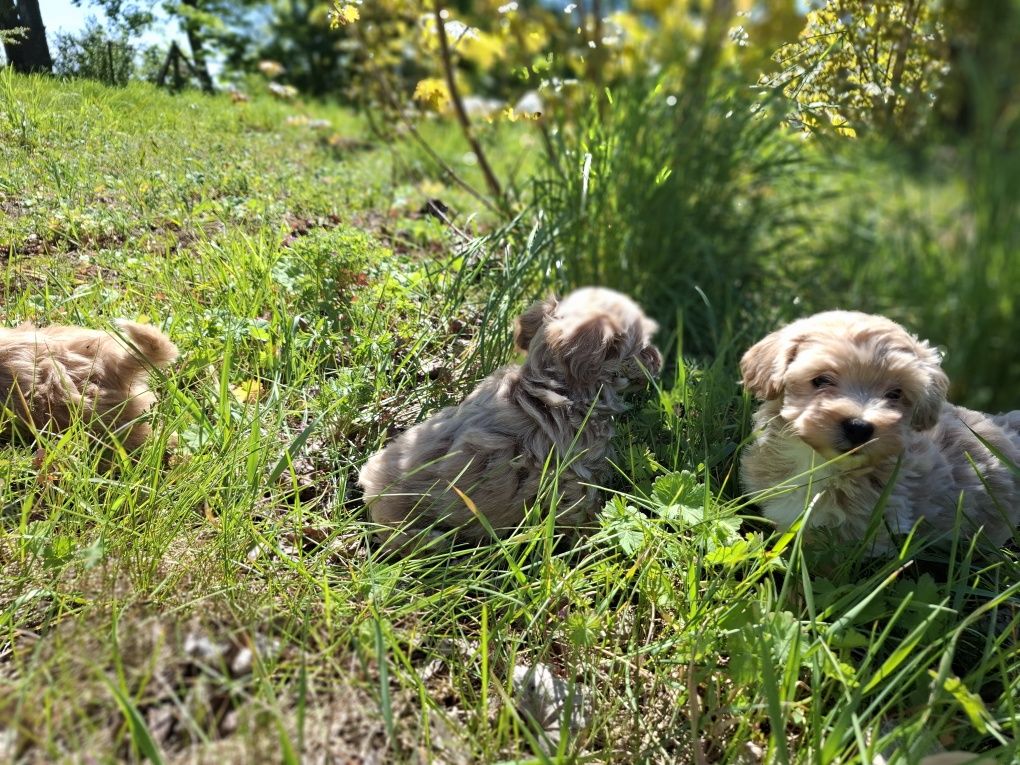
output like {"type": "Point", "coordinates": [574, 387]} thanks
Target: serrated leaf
{"type": "Point", "coordinates": [730, 555]}
{"type": "Point", "coordinates": [679, 488]}
{"type": "Point", "coordinates": [629, 539]}
{"type": "Point", "coordinates": [624, 525]}
{"type": "Point", "coordinates": [725, 531]}
{"type": "Point", "coordinates": [259, 333]}
{"type": "Point", "coordinates": [683, 513]}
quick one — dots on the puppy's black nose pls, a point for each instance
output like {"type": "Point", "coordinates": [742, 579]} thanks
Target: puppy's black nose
{"type": "Point", "coordinates": [857, 431]}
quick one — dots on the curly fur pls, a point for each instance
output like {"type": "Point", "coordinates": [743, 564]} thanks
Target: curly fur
{"type": "Point", "coordinates": [53, 376]}
{"type": "Point", "coordinates": [848, 397]}
{"type": "Point", "coordinates": [491, 451]}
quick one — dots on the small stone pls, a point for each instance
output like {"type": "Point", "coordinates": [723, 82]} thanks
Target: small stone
{"type": "Point", "coordinates": [546, 698]}
{"type": "Point", "coordinates": [204, 649]}
{"type": "Point", "coordinates": [242, 663]}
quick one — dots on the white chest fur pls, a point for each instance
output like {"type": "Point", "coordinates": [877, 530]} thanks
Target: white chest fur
{"type": "Point", "coordinates": [807, 485]}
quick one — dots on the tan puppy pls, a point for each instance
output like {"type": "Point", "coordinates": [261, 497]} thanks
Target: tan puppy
{"type": "Point", "coordinates": [490, 452]}
{"type": "Point", "coordinates": [53, 376]}
{"type": "Point", "coordinates": [848, 396]}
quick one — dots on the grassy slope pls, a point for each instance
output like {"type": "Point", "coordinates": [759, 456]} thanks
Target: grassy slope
{"type": "Point", "coordinates": [225, 604]}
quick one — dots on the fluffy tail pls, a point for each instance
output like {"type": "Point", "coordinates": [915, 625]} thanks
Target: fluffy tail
{"type": "Point", "coordinates": [146, 345]}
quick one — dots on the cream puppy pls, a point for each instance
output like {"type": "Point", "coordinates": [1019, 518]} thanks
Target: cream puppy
{"type": "Point", "coordinates": [52, 376]}
{"type": "Point", "coordinates": [851, 399]}
{"type": "Point", "coordinates": [552, 413]}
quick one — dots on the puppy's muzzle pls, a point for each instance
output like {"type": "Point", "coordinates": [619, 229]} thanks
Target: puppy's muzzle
{"type": "Point", "coordinates": [857, 431]}
{"type": "Point", "coordinates": [636, 371]}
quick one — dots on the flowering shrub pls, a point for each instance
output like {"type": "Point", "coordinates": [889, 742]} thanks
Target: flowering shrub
{"type": "Point", "coordinates": [494, 61]}
{"type": "Point", "coordinates": [862, 64]}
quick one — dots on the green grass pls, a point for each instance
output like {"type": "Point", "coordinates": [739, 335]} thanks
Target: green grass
{"type": "Point", "coordinates": [224, 604]}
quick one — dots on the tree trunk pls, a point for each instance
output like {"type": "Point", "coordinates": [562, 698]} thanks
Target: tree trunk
{"type": "Point", "coordinates": [194, 33]}
{"type": "Point", "coordinates": [30, 53]}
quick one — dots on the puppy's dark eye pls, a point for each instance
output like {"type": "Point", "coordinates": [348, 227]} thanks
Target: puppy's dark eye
{"type": "Point", "coordinates": [823, 381]}
{"type": "Point", "coordinates": [894, 395]}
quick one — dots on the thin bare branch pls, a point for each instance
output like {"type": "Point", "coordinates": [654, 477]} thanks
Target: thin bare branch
{"type": "Point", "coordinates": [458, 107]}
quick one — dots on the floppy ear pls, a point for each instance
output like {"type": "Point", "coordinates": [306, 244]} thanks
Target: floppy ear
{"type": "Point", "coordinates": [928, 407]}
{"type": "Point", "coordinates": [530, 322]}
{"type": "Point", "coordinates": [763, 366]}
{"type": "Point", "coordinates": [583, 346]}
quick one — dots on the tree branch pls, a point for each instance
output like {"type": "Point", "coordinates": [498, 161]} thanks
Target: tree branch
{"type": "Point", "coordinates": [458, 107]}
{"type": "Point", "coordinates": [386, 93]}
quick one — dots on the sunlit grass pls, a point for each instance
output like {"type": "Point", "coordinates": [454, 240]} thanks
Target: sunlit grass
{"type": "Point", "coordinates": [226, 602]}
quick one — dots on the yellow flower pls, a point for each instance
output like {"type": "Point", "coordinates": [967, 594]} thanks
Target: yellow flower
{"type": "Point", "coordinates": [342, 15]}
{"type": "Point", "coordinates": [431, 189]}
{"type": "Point", "coordinates": [482, 49]}
{"type": "Point", "coordinates": [432, 92]}
{"type": "Point", "coordinates": [840, 123]}
{"type": "Point", "coordinates": [247, 392]}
